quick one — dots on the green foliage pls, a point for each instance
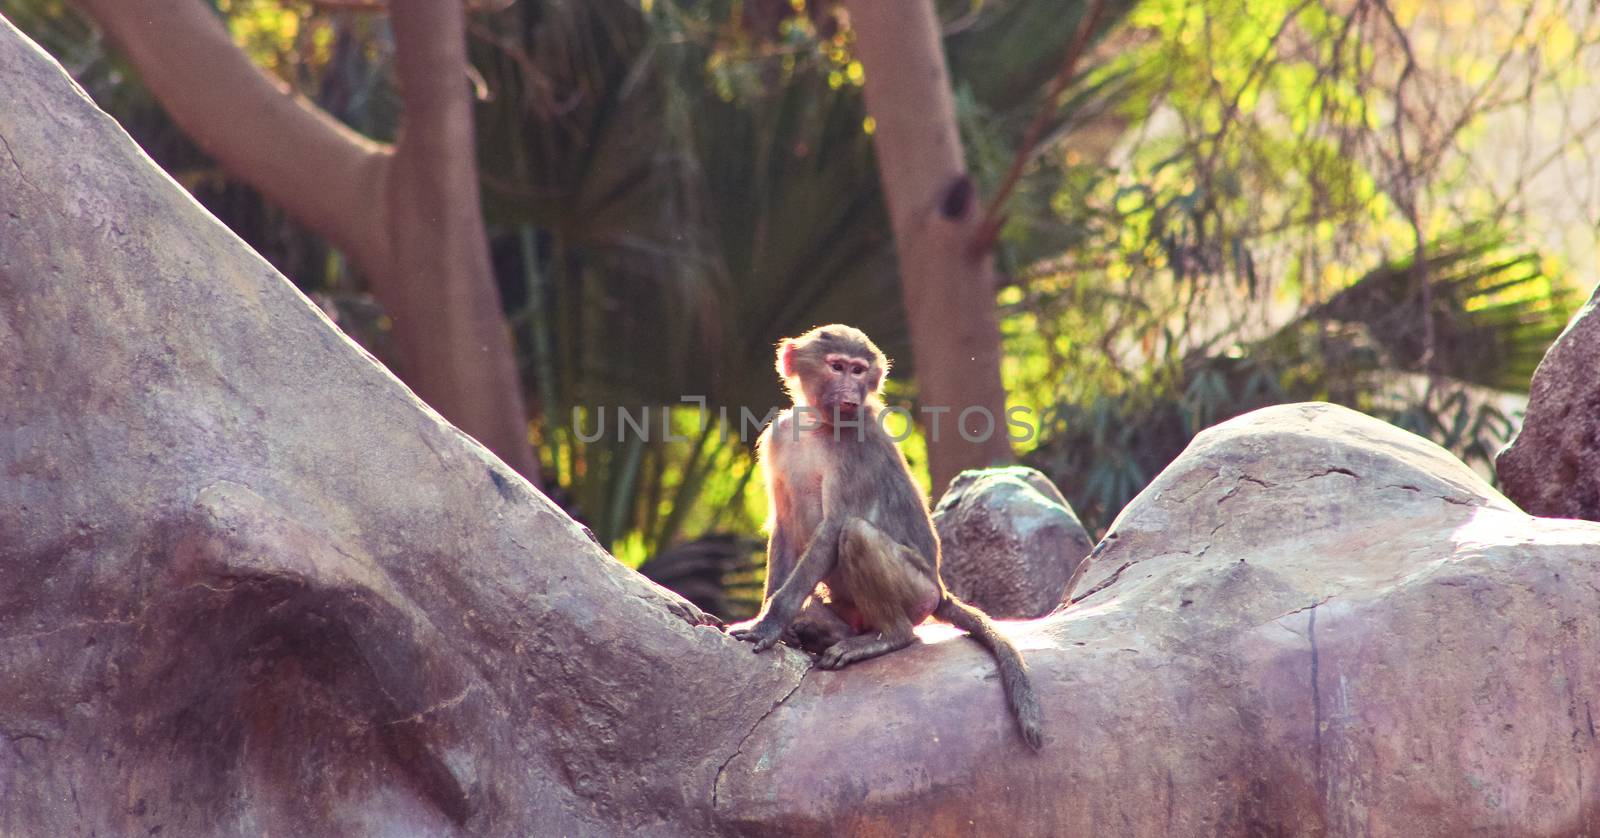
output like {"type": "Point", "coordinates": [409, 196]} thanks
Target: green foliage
{"type": "Point", "coordinates": [1494, 313]}
{"type": "Point", "coordinates": [1225, 214]}
{"type": "Point", "coordinates": [709, 168]}
{"type": "Point", "coordinates": [1212, 262]}
{"type": "Point", "coordinates": [704, 182]}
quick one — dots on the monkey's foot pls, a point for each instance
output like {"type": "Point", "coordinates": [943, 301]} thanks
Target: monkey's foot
{"type": "Point", "coordinates": [763, 633]}
{"type": "Point", "coordinates": [859, 648]}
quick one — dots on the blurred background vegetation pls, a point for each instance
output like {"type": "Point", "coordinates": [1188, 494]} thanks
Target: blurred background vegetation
{"type": "Point", "coordinates": [1380, 203]}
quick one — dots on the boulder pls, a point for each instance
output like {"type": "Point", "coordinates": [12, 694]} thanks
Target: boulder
{"type": "Point", "coordinates": [1010, 541]}
{"type": "Point", "coordinates": [1552, 467]}
{"type": "Point", "coordinates": [250, 585]}
{"type": "Point", "coordinates": [1311, 623]}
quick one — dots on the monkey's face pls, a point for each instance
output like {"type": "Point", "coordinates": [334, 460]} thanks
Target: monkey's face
{"type": "Point", "coordinates": [834, 369]}
{"type": "Point", "coordinates": [847, 381]}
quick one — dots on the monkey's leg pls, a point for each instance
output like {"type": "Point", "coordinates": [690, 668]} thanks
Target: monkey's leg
{"type": "Point", "coordinates": [886, 585]}
{"type": "Point", "coordinates": [817, 628]}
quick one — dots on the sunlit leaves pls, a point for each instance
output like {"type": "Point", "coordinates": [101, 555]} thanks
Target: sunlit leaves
{"type": "Point", "coordinates": [293, 39]}
{"type": "Point", "coordinates": [754, 48]}
{"type": "Point", "coordinates": [1279, 152]}
{"type": "Point", "coordinates": [266, 29]}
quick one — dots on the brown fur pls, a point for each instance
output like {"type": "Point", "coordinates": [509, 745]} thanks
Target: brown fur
{"type": "Point", "coordinates": [882, 592]}
{"type": "Point", "coordinates": [846, 512]}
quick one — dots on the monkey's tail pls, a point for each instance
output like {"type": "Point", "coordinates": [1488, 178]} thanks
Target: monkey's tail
{"type": "Point", "coordinates": [1013, 670]}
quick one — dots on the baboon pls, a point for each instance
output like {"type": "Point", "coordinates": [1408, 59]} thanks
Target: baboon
{"type": "Point", "coordinates": [846, 514]}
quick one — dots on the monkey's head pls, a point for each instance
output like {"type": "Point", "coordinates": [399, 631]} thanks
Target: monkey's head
{"type": "Point", "coordinates": [836, 369]}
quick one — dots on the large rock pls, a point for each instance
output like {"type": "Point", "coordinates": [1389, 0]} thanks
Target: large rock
{"type": "Point", "coordinates": [1552, 468]}
{"type": "Point", "coordinates": [1010, 541]}
{"type": "Point", "coordinates": [250, 585]}
{"type": "Point", "coordinates": [1311, 623]}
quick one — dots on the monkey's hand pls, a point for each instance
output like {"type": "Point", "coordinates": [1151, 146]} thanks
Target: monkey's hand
{"type": "Point", "coordinates": [763, 632]}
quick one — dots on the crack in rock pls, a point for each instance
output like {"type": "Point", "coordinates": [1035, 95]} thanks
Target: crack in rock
{"type": "Point", "coordinates": [1302, 608]}
{"type": "Point", "coordinates": [716, 784]}
{"type": "Point", "coordinates": [447, 704]}
{"type": "Point", "coordinates": [1330, 470]}
{"type": "Point", "coordinates": [1446, 498]}
{"type": "Point", "coordinates": [18, 166]}
{"type": "Point", "coordinates": [1268, 484]}
{"type": "Point", "coordinates": [1201, 488]}
{"type": "Point", "coordinates": [1108, 582]}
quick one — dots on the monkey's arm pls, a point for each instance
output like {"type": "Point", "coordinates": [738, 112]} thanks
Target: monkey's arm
{"type": "Point", "coordinates": [782, 606]}
{"type": "Point", "coordinates": [780, 560]}
{"type": "Point", "coordinates": [781, 547]}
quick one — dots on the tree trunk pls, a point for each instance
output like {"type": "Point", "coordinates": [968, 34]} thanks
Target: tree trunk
{"type": "Point", "coordinates": [407, 216]}
{"type": "Point", "coordinates": [949, 288]}
{"type": "Point", "coordinates": [250, 585]}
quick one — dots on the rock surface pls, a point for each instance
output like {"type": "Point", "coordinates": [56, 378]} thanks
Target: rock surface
{"type": "Point", "coordinates": [1311, 623]}
{"type": "Point", "coordinates": [1010, 541]}
{"type": "Point", "coordinates": [250, 585]}
{"type": "Point", "coordinates": [1552, 467]}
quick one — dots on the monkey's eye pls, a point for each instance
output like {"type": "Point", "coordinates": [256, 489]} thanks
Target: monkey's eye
{"type": "Point", "coordinates": [837, 366]}
{"type": "Point", "coordinates": [858, 369]}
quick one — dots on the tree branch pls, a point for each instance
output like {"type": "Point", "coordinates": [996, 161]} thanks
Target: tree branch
{"type": "Point", "coordinates": [316, 169]}
{"type": "Point", "coordinates": [993, 215]}
{"type": "Point", "coordinates": [408, 216]}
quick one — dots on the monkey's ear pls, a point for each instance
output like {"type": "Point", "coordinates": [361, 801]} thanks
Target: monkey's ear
{"type": "Point", "coordinates": [785, 364]}
{"type": "Point", "coordinates": [879, 375]}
